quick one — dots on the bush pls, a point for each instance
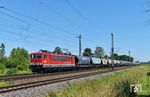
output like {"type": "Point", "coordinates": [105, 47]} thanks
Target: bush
{"type": "Point", "coordinates": [23, 66]}
{"type": "Point", "coordinates": [11, 71]}
{"type": "Point", "coordinates": [19, 58]}
{"type": "Point", "coordinates": [3, 60]}
{"type": "Point", "coordinates": [2, 66]}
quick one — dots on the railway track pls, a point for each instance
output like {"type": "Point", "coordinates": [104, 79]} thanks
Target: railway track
{"type": "Point", "coordinates": [54, 80]}
{"type": "Point", "coordinates": [27, 76]}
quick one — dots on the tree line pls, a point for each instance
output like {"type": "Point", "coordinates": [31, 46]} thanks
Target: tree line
{"type": "Point", "coordinates": [19, 57]}
{"type": "Point", "coordinates": [99, 53]}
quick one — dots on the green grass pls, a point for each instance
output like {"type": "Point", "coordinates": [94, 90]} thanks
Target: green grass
{"type": "Point", "coordinates": [145, 83]}
{"type": "Point", "coordinates": [114, 85]}
{"type": "Point", "coordinates": [2, 84]}
{"type": "Point", "coordinates": [25, 72]}
{"type": "Point", "coordinates": [13, 71]}
{"type": "Point", "coordinates": [10, 72]}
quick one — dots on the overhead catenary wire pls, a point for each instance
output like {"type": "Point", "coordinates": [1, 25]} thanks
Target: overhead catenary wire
{"type": "Point", "coordinates": [39, 32]}
{"type": "Point", "coordinates": [14, 18]}
{"type": "Point", "coordinates": [32, 37]}
{"type": "Point", "coordinates": [85, 18]}
{"type": "Point", "coordinates": [39, 21]}
{"type": "Point", "coordinates": [11, 22]}
{"type": "Point", "coordinates": [67, 19]}
{"type": "Point", "coordinates": [42, 22]}
{"type": "Point", "coordinates": [82, 15]}
{"type": "Point", "coordinates": [35, 35]}
{"type": "Point", "coordinates": [13, 27]}
{"type": "Point", "coordinates": [59, 14]}
{"type": "Point", "coordinates": [13, 33]}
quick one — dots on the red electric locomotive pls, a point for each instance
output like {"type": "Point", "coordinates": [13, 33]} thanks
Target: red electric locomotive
{"type": "Point", "coordinates": [44, 61]}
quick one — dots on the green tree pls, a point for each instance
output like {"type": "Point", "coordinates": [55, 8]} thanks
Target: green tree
{"type": "Point", "coordinates": [99, 52]}
{"type": "Point", "coordinates": [106, 56]}
{"type": "Point", "coordinates": [3, 60]}
{"type": "Point", "coordinates": [19, 58]}
{"type": "Point", "coordinates": [2, 50]}
{"type": "Point", "coordinates": [115, 56]}
{"type": "Point", "coordinates": [126, 58]}
{"type": "Point", "coordinates": [87, 52]}
{"type": "Point", "coordinates": [58, 50]}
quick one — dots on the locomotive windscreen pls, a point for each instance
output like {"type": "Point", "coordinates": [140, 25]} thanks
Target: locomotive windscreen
{"type": "Point", "coordinates": [36, 56]}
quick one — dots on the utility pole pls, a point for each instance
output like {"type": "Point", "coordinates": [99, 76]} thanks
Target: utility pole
{"type": "Point", "coordinates": [129, 55]}
{"type": "Point", "coordinates": [112, 42]}
{"type": "Point", "coordinates": [80, 52]}
{"type": "Point", "coordinates": [112, 49]}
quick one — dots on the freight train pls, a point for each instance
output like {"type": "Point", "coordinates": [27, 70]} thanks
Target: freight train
{"type": "Point", "coordinates": [42, 61]}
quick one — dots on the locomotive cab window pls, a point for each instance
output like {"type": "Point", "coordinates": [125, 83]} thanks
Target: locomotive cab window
{"type": "Point", "coordinates": [39, 56]}
{"type": "Point", "coordinates": [36, 56]}
{"type": "Point", "coordinates": [33, 56]}
{"type": "Point", "coordinates": [45, 56]}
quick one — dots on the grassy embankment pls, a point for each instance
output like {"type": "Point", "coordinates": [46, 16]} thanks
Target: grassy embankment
{"type": "Point", "coordinates": [11, 71]}
{"type": "Point", "coordinates": [114, 85]}
{"type": "Point", "coordinates": [145, 83]}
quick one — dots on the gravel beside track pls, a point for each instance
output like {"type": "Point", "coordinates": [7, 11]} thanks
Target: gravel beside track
{"type": "Point", "coordinates": [37, 77]}
{"type": "Point", "coordinates": [25, 76]}
{"type": "Point", "coordinates": [41, 90]}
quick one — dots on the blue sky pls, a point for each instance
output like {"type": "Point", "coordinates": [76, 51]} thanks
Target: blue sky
{"type": "Point", "coordinates": [125, 18]}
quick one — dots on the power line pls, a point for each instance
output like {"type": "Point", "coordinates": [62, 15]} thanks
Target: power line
{"type": "Point", "coordinates": [11, 26]}
{"type": "Point", "coordinates": [30, 42]}
{"type": "Point", "coordinates": [33, 19]}
{"type": "Point", "coordinates": [31, 32]}
{"type": "Point", "coordinates": [33, 37]}
{"type": "Point", "coordinates": [39, 32]}
{"type": "Point", "coordinates": [58, 13]}
{"type": "Point", "coordinates": [14, 17]}
{"type": "Point", "coordinates": [67, 19]}
{"type": "Point", "coordinates": [37, 20]}
{"type": "Point", "coordinates": [4, 20]}
{"type": "Point", "coordinates": [82, 15]}
{"type": "Point", "coordinates": [13, 33]}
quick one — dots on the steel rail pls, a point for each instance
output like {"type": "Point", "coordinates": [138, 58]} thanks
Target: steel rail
{"type": "Point", "coordinates": [51, 81]}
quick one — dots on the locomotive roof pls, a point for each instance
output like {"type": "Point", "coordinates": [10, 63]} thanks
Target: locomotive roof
{"type": "Point", "coordinates": [51, 53]}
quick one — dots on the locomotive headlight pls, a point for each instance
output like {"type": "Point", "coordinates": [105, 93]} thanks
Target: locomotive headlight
{"type": "Point", "coordinates": [44, 61]}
